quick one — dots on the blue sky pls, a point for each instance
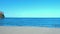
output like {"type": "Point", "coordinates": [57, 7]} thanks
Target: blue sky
{"type": "Point", "coordinates": [30, 8]}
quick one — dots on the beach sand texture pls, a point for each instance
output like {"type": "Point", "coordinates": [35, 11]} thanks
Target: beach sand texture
{"type": "Point", "coordinates": [28, 30]}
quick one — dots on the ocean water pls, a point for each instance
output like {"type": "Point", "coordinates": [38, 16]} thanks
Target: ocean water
{"type": "Point", "coordinates": [39, 22]}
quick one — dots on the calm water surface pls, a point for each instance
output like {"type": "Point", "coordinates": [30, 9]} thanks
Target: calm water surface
{"type": "Point", "coordinates": [41, 22]}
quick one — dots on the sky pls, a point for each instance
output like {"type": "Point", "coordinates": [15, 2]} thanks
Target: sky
{"type": "Point", "coordinates": [30, 8]}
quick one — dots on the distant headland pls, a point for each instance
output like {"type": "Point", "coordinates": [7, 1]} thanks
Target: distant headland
{"type": "Point", "coordinates": [2, 15]}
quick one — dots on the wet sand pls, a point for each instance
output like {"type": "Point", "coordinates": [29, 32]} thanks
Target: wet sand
{"type": "Point", "coordinates": [28, 30]}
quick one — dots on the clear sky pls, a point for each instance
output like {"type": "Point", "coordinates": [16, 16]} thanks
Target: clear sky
{"type": "Point", "coordinates": [30, 8]}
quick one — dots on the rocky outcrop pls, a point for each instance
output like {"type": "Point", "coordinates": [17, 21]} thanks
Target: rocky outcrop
{"type": "Point", "coordinates": [2, 15]}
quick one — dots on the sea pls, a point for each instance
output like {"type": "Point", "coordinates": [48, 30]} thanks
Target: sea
{"type": "Point", "coordinates": [34, 22]}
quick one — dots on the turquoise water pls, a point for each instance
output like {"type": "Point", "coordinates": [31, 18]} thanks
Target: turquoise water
{"type": "Point", "coordinates": [39, 22]}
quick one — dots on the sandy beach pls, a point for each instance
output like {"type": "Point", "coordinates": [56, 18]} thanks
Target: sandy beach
{"type": "Point", "coordinates": [28, 30]}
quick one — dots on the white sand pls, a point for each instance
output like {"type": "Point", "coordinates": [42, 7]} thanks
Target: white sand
{"type": "Point", "coordinates": [28, 30]}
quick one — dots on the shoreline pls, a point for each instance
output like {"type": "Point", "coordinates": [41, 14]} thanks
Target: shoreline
{"type": "Point", "coordinates": [28, 30]}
